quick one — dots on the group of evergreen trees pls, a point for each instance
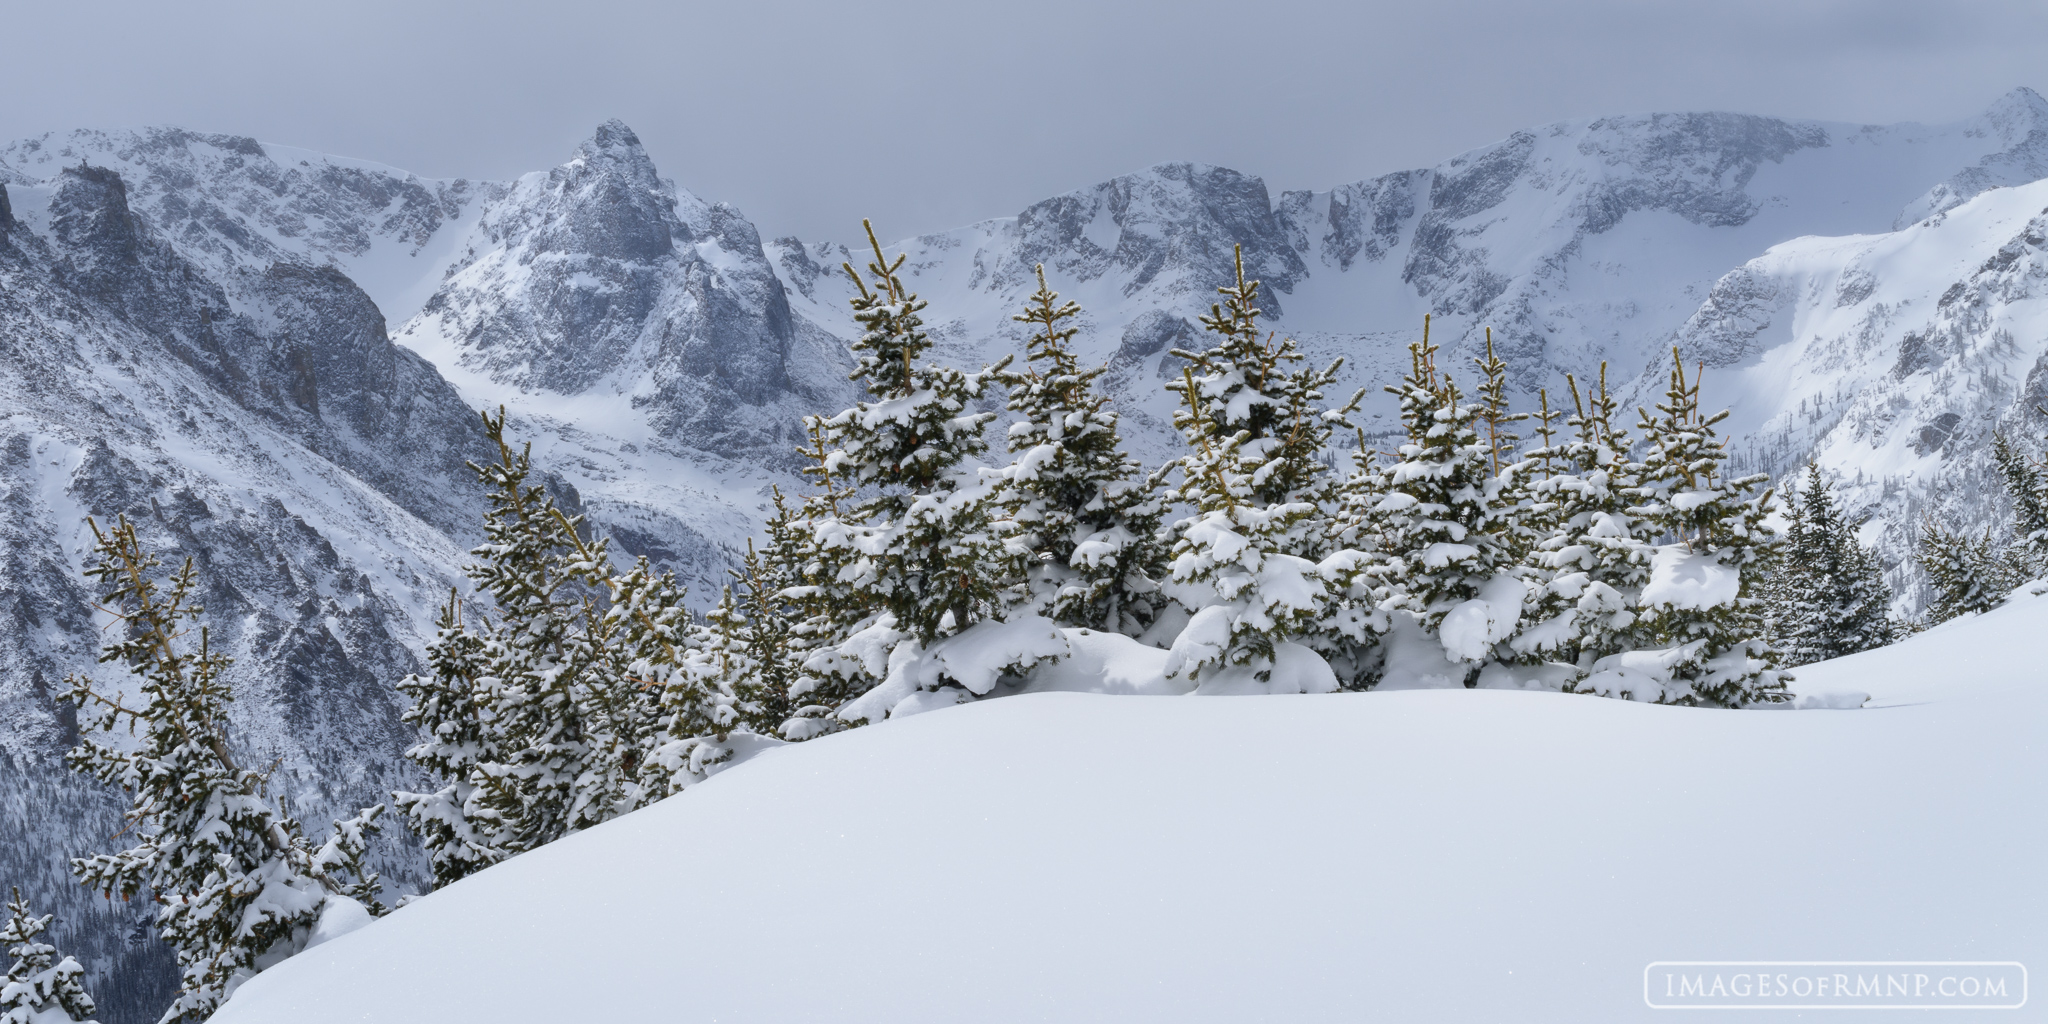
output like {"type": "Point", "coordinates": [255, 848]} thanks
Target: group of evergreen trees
{"type": "Point", "coordinates": [1973, 574]}
{"type": "Point", "coordinates": [1598, 558]}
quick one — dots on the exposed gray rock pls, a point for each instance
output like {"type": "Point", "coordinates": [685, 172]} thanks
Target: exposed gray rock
{"type": "Point", "coordinates": [600, 278]}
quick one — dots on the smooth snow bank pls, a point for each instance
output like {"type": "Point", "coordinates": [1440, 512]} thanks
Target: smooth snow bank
{"type": "Point", "coordinates": [2000, 650]}
{"type": "Point", "coordinates": [1448, 855]}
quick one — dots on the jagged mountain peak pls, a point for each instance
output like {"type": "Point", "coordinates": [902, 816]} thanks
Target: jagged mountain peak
{"type": "Point", "coordinates": [2017, 114]}
{"type": "Point", "coordinates": [1177, 216]}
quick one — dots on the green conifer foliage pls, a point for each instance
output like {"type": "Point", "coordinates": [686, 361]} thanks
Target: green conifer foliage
{"type": "Point", "coordinates": [1444, 527]}
{"type": "Point", "coordinates": [40, 987]}
{"type": "Point", "coordinates": [239, 886]}
{"type": "Point", "coordinates": [572, 725]}
{"type": "Point", "coordinates": [918, 545]}
{"type": "Point", "coordinates": [1078, 508]}
{"type": "Point", "coordinates": [452, 822]}
{"type": "Point", "coordinates": [1594, 557]}
{"type": "Point", "coordinates": [1257, 429]}
{"type": "Point", "coordinates": [771, 590]}
{"type": "Point", "coordinates": [1968, 575]}
{"type": "Point", "coordinates": [1829, 597]}
{"type": "Point", "coordinates": [2028, 486]}
{"type": "Point", "coordinates": [1701, 600]}
{"type": "Point", "coordinates": [544, 719]}
{"type": "Point", "coordinates": [912, 551]}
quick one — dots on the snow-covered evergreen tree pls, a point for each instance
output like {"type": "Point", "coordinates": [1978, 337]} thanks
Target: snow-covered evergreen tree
{"type": "Point", "coordinates": [1594, 555]}
{"type": "Point", "coordinates": [1078, 506]}
{"type": "Point", "coordinates": [770, 598]}
{"type": "Point", "coordinates": [2028, 485]}
{"type": "Point", "coordinates": [452, 822]}
{"type": "Point", "coordinates": [1447, 555]}
{"type": "Point", "coordinates": [543, 719]}
{"type": "Point", "coordinates": [1828, 594]}
{"type": "Point", "coordinates": [1969, 575]}
{"type": "Point", "coordinates": [913, 556]}
{"type": "Point", "coordinates": [1701, 602]}
{"type": "Point", "coordinates": [238, 885]}
{"type": "Point", "coordinates": [1347, 634]}
{"type": "Point", "coordinates": [668, 723]}
{"type": "Point", "coordinates": [41, 987]}
{"type": "Point", "coordinates": [1257, 431]}
{"type": "Point", "coordinates": [571, 722]}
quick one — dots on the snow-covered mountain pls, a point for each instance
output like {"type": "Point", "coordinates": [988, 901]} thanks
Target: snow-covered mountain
{"type": "Point", "coordinates": [1575, 243]}
{"type": "Point", "coordinates": [311, 468]}
{"type": "Point", "coordinates": [1891, 359]}
{"type": "Point", "coordinates": [273, 357]}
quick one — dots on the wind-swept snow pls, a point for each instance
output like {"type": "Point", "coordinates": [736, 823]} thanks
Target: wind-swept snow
{"type": "Point", "coordinates": [1447, 855]}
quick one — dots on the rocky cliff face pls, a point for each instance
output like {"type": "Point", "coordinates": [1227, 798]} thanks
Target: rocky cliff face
{"type": "Point", "coordinates": [599, 281]}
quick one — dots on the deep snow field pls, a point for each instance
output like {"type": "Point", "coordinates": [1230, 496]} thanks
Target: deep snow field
{"type": "Point", "coordinates": [1419, 855]}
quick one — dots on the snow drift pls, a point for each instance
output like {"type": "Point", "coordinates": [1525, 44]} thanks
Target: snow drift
{"type": "Point", "coordinates": [1411, 855]}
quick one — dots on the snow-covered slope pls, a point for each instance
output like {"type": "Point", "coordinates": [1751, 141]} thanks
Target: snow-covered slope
{"type": "Point", "coordinates": [1419, 855]}
{"type": "Point", "coordinates": [1890, 359]}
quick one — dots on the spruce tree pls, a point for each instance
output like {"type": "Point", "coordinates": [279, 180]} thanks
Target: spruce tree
{"type": "Point", "coordinates": [771, 596]}
{"type": "Point", "coordinates": [2028, 486]}
{"type": "Point", "coordinates": [1968, 575]}
{"type": "Point", "coordinates": [41, 987]}
{"type": "Point", "coordinates": [571, 727]}
{"type": "Point", "coordinates": [452, 822]}
{"type": "Point", "coordinates": [914, 553]}
{"type": "Point", "coordinates": [1594, 555]}
{"type": "Point", "coordinates": [1444, 524]}
{"type": "Point", "coordinates": [1701, 602]}
{"type": "Point", "coordinates": [1078, 508]}
{"type": "Point", "coordinates": [543, 720]}
{"type": "Point", "coordinates": [1829, 597]}
{"type": "Point", "coordinates": [1257, 431]}
{"type": "Point", "coordinates": [239, 886]}
{"type": "Point", "coordinates": [1347, 634]}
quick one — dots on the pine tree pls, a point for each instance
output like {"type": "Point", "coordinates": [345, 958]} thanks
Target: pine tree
{"type": "Point", "coordinates": [1076, 503]}
{"type": "Point", "coordinates": [1594, 557]}
{"type": "Point", "coordinates": [41, 987]}
{"type": "Point", "coordinates": [1701, 600]}
{"type": "Point", "coordinates": [771, 596]}
{"type": "Point", "coordinates": [544, 720]}
{"type": "Point", "coordinates": [1347, 634]}
{"type": "Point", "coordinates": [914, 553]}
{"type": "Point", "coordinates": [554, 683]}
{"type": "Point", "coordinates": [2028, 486]}
{"type": "Point", "coordinates": [1968, 575]}
{"type": "Point", "coordinates": [452, 822]}
{"type": "Point", "coordinates": [239, 886]}
{"type": "Point", "coordinates": [664, 720]}
{"type": "Point", "coordinates": [1445, 526]}
{"type": "Point", "coordinates": [1255, 476]}
{"type": "Point", "coordinates": [1828, 597]}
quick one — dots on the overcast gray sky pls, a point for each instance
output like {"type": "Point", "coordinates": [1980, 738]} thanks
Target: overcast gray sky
{"type": "Point", "coordinates": [925, 115]}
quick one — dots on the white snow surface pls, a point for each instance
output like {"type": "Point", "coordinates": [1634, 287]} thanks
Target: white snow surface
{"type": "Point", "coordinates": [1441, 855]}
